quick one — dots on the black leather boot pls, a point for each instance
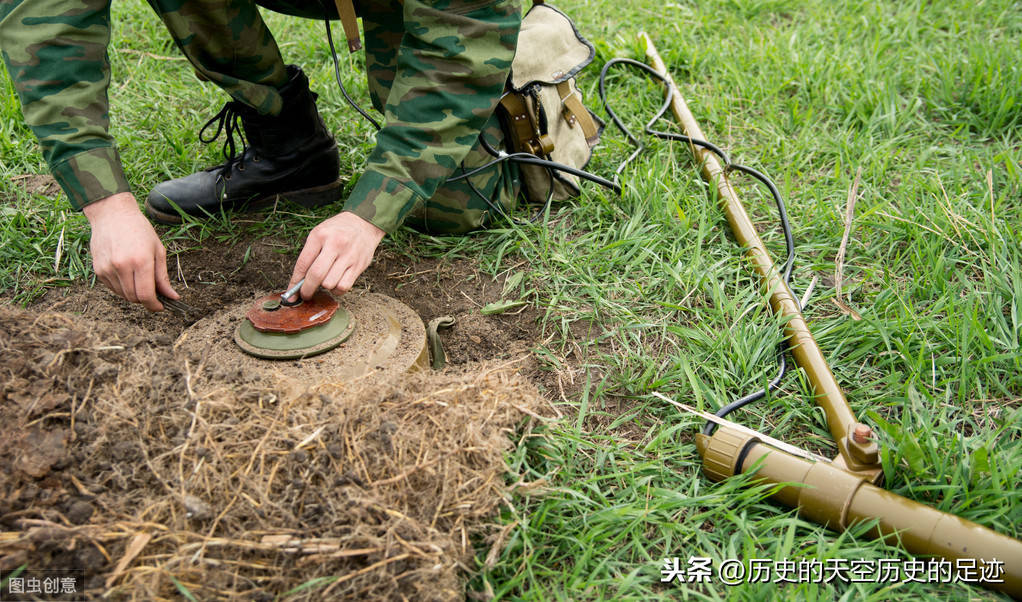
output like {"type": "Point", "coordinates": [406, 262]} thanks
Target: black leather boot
{"type": "Point", "coordinates": [290, 156]}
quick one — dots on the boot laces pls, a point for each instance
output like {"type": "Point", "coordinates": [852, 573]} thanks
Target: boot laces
{"type": "Point", "coordinates": [228, 122]}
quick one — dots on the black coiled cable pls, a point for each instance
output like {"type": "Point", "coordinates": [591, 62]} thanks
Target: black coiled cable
{"type": "Point", "coordinates": [729, 166]}
{"type": "Point", "coordinates": [528, 159]}
{"type": "Point", "coordinates": [550, 166]}
{"type": "Point", "coordinates": [337, 73]}
{"type": "Point", "coordinates": [499, 157]}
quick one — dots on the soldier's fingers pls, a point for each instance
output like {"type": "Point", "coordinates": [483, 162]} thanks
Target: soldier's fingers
{"type": "Point", "coordinates": [112, 284]}
{"type": "Point", "coordinates": [309, 253]}
{"type": "Point", "coordinates": [348, 280]}
{"type": "Point", "coordinates": [317, 272]}
{"type": "Point", "coordinates": [333, 278]}
{"type": "Point", "coordinates": [126, 283]}
{"type": "Point", "coordinates": [145, 287]}
{"type": "Point", "coordinates": [163, 285]}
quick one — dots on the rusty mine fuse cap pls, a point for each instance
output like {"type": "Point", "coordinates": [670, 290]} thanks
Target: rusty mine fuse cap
{"type": "Point", "coordinates": [271, 330]}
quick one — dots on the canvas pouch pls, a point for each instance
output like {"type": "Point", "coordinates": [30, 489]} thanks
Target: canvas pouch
{"type": "Point", "coordinates": [542, 112]}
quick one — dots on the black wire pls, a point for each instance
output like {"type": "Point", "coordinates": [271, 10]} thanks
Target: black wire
{"type": "Point", "coordinates": [499, 210]}
{"type": "Point", "coordinates": [782, 211]}
{"type": "Point", "coordinates": [531, 159]}
{"type": "Point", "coordinates": [500, 157]}
{"type": "Point", "coordinates": [337, 74]}
{"type": "Point", "coordinates": [729, 166]}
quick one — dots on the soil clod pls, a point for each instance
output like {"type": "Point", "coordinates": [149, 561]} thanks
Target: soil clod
{"type": "Point", "coordinates": [243, 483]}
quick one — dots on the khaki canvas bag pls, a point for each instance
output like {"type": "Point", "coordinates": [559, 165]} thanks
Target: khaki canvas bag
{"type": "Point", "coordinates": [542, 111]}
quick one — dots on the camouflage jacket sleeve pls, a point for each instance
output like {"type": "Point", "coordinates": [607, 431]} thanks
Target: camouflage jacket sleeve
{"type": "Point", "coordinates": [56, 54]}
{"type": "Point", "coordinates": [449, 72]}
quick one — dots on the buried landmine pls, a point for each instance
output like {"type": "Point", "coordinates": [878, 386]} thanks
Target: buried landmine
{"type": "Point", "coordinates": [370, 334]}
{"type": "Point", "coordinates": [148, 464]}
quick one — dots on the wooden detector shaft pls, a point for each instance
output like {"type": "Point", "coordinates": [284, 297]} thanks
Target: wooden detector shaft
{"type": "Point", "coordinates": [841, 493]}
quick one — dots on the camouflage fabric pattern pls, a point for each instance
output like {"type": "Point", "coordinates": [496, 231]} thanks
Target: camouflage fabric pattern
{"type": "Point", "coordinates": [228, 44]}
{"type": "Point", "coordinates": [456, 208]}
{"type": "Point", "coordinates": [55, 52]}
{"type": "Point", "coordinates": [436, 70]}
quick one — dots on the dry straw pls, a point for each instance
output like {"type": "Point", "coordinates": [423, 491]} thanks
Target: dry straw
{"type": "Point", "coordinates": [167, 475]}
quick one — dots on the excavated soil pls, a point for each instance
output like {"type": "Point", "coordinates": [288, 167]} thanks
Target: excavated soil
{"type": "Point", "coordinates": [370, 351]}
{"type": "Point", "coordinates": [219, 276]}
{"type": "Point", "coordinates": [153, 472]}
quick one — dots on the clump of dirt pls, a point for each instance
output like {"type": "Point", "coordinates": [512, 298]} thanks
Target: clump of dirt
{"type": "Point", "coordinates": [153, 474]}
{"type": "Point", "coordinates": [41, 184]}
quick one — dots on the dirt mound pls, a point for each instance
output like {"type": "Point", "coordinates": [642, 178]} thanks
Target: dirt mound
{"type": "Point", "coordinates": [373, 315]}
{"type": "Point", "coordinates": [156, 474]}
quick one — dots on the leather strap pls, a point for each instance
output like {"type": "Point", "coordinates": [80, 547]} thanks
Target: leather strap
{"type": "Point", "coordinates": [349, 20]}
{"type": "Point", "coordinates": [523, 126]}
{"type": "Point", "coordinates": [576, 112]}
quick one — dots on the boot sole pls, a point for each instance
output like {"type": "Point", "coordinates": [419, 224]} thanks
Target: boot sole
{"type": "Point", "coordinates": [308, 198]}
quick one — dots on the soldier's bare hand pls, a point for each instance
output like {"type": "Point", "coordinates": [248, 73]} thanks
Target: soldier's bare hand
{"type": "Point", "coordinates": [127, 255]}
{"type": "Point", "coordinates": [336, 253]}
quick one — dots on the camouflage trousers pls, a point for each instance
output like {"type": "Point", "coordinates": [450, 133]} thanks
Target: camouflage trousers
{"type": "Point", "coordinates": [229, 44]}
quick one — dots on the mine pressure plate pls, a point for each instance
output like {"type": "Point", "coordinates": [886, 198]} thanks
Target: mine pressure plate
{"type": "Point", "coordinates": [275, 330]}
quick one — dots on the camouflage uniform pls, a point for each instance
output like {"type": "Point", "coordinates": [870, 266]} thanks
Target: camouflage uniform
{"type": "Point", "coordinates": [436, 69]}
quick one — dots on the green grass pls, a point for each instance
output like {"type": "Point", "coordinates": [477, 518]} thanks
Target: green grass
{"type": "Point", "coordinates": [648, 292]}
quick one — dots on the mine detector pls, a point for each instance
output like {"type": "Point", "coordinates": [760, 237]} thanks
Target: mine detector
{"type": "Point", "coordinates": [845, 491]}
